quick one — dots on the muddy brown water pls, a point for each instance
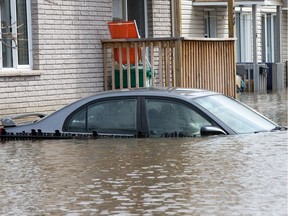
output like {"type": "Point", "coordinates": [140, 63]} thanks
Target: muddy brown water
{"type": "Point", "coordinates": [222, 175]}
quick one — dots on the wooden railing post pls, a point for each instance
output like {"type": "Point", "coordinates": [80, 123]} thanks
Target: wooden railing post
{"type": "Point", "coordinates": [136, 65]}
{"type": "Point", "coordinates": [181, 62]}
{"type": "Point", "coordinates": [152, 62]}
{"type": "Point", "coordinates": [113, 68]}
{"type": "Point", "coordinates": [178, 63]}
{"type": "Point", "coordinates": [105, 68]}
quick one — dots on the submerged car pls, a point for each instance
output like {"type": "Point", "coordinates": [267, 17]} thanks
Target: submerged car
{"type": "Point", "coordinates": [148, 112]}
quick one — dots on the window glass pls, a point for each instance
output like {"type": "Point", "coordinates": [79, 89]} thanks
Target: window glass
{"type": "Point", "coordinates": [243, 33]}
{"type": "Point", "coordinates": [210, 24]}
{"type": "Point", "coordinates": [6, 34]}
{"type": "Point", "coordinates": [14, 50]}
{"type": "Point", "coordinates": [235, 115]}
{"type": "Point", "coordinates": [131, 10]}
{"type": "Point", "coordinates": [22, 34]}
{"type": "Point", "coordinates": [172, 118]}
{"type": "Point", "coordinates": [115, 116]}
{"type": "Point", "coordinates": [78, 121]}
{"type": "Point", "coordinates": [119, 12]}
{"type": "Point", "coordinates": [268, 40]}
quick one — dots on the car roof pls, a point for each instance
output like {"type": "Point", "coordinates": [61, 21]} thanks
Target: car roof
{"type": "Point", "coordinates": [186, 93]}
{"type": "Point", "coordinates": [172, 92]}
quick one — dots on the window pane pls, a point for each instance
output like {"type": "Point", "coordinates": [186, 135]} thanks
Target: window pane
{"type": "Point", "coordinates": [78, 122]}
{"type": "Point", "coordinates": [115, 116]}
{"type": "Point", "coordinates": [172, 118]}
{"type": "Point", "coordinates": [136, 11]}
{"type": "Point", "coordinates": [236, 116]}
{"type": "Point", "coordinates": [6, 33]}
{"type": "Point", "coordinates": [22, 33]}
{"type": "Point", "coordinates": [118, 8]}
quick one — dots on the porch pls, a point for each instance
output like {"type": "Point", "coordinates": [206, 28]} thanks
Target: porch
{"type": "Point", "coordinates": [183, 62]}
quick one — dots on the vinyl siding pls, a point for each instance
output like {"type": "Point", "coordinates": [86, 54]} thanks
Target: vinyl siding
{"type": "Point", "coordinates": [192, 20]}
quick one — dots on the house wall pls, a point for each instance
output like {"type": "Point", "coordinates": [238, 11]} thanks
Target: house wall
{"type": "Point", "coordinates": [161, 18]}
{"type": "Point", "coordinates": [67, 57]}
{"type": "Point", "coordinates": [192, 20]}
{"type": "Point", "coordinates": [193, 25]}
{"type": "Point", "coordinates": [67, 53]}
{"type": "Point", "coordinates": [222, 22]}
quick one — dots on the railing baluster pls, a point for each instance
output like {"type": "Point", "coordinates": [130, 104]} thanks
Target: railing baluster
{"type": "Point", "coordinates": [152, 63]}
{"type": "Point", "coordinates": [173, 66]}
{"type": "Point", "coordinates": [160, 64]}
{"type": "Point", "coordinates": [203, 63]}
{"type": "Point", "coordinates": [120, 66]}
{"type": "Point", "coordinates": [144, 63]}
{"type": "Point", "coordinates": [136, 65]}
{"type": "Point", "coordinates": [167, 53]}
{"type": "Point", "coordinates": [128, 67]}
{"type": "Point", "coordinates": [113, 67]}
{"type": "Point", "coordinates": [105, 68]}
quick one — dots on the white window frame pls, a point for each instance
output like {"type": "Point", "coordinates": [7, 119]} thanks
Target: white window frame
{"type": "Point", "coordinates": [210, 21]}
{"type": "Point", "coordinates": [122, 4]}
{"type": "Point", "coordinates": [14, 32]}
{"type": "Point", "coordinates": [243, 23]}
{"type": "Point", "coordinates": [268, 43]}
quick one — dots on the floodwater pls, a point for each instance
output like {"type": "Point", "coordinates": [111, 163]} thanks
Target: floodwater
{"type": "Point", "coordinates": [222, 175]}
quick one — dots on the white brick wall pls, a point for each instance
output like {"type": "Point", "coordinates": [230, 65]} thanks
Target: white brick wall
{"type": "Point", "coordinates": [161, 18]}
{"type": "Point", "coordinates": [67, 54]}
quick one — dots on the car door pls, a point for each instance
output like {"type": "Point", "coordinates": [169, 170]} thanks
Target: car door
{"type": "Point", "coordinates": [173, 118]}
{"type": "Point", "coordinates": [109, 116]}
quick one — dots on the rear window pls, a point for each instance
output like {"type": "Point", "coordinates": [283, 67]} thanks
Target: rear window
{"type": "Point", "coordinates": [113, 116]}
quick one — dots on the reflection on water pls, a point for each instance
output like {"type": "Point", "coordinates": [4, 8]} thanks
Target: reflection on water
{"type": "Point", "coordinates": [222, 175]}
{"type": "Point", "coordinates": [272, 105]}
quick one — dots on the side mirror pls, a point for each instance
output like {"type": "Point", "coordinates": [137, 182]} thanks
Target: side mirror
{"type": "Point", "coordinates": [211, 130]}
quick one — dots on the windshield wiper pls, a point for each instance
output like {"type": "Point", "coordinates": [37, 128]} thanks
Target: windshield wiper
{"type": "Point", "coordinates": [279, 128]}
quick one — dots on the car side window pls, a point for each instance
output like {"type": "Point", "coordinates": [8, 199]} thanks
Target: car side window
{"type": "Point", "coordinates": [77, 122]}
{"type": "Point", "coordinates": [113, 116]}
{"type": "Point", "coordinates": [172, 118]}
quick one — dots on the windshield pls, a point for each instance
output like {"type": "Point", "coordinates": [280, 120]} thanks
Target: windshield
{"type": "Point", "coordinates": [235, 115]}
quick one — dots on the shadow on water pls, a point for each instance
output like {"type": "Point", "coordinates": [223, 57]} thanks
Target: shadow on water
{"type": "Point", "coordinates": [221, 175]}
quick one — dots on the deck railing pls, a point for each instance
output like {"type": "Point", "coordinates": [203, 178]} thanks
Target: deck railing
{"type": "Point", "coordinates": [182, 62]}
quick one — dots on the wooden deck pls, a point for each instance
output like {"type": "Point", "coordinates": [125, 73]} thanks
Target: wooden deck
{"type": "Point", "coordinates": [182, 62]}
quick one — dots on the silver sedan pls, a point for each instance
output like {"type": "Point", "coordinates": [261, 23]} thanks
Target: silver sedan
{"type": "Point", "coordinates": [145, 112]}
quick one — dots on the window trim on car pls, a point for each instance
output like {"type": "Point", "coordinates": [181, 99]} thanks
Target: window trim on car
{"type": "Point", "coordinates": [100, 100]}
